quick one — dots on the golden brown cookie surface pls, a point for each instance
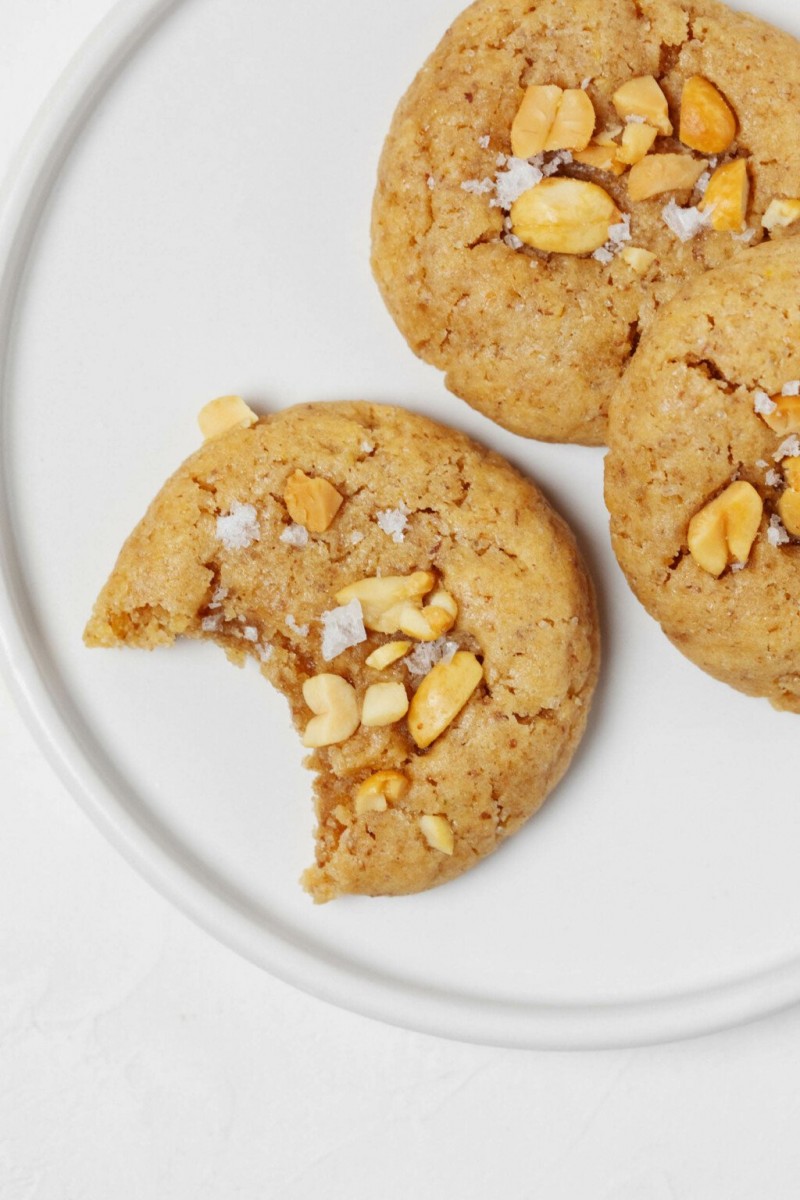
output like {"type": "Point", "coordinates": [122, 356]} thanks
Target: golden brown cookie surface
{"type": "Point", "coordinates": [538, 340]}
{"type": "Point", "coordinates": [703, 474]}
{"type": "Point", "coordinates": [477, 612]}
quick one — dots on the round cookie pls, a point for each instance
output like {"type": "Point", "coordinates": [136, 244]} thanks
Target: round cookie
{"type": "Point", "coordinates": [700, 411]}
{"type": "Point", "coordinates": [538, 341]}
{"type": "Point", "coordinates": [266, 529]}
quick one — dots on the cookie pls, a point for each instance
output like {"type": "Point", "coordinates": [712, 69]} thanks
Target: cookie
{"type": "Point", "coordinates": [703, 474]}
{"type": "Point", "coordinates": [532, 293]}
{"type": "Point", "coordinates": [417, 601]}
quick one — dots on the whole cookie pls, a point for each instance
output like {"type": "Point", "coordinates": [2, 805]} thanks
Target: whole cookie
{"type": "Point", "coordinates": [703, 474]}
{"type": "Point", "coordinates": [535, 338]}
{"type": "Point", "coordinates": [417, 601]}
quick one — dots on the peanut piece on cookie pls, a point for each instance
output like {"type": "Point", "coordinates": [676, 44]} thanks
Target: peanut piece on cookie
{"type": "Point", "coordinates": [382, 597]}
{"type": "Point", "coordinates": [534, 119]}
{"type": "Point", "coordinates": [573, 125]}
{"type": "Point", "coordinates": [781, 214]}
{"type": "Point", "coordinates": [437, 832]}
{"type": "Point", "coordinates": [374, 793]}
{"type": "Point", "coordinates": [312, 503]}
{"type": "Point", "coordinates": [724, 530]}
{"type": "Point", "coordinates": [659, 173]}
{"type": "Point", "coordinates": [707, 121]}
{"type": "Point", "coordinates": [637, 258]}
{"type": "Point", "coordinates": [726, 197]}
{"type": "Point", "coordinates": [384, 703]}
{"type": "Point", "coordinates": [643, 97]}
{"type": "Point", "coordinates": [387, 654]}
{"type": "Point", "coordinates": [637, 141]}
{"type": "Point", "coordinates": [224, 413]}
{"type": "Point", "coordinates": [335, 704]}
{"type": "Point", "coordinates": [441, 696]}
{"type": "Point", "coordinates": [564, 216]}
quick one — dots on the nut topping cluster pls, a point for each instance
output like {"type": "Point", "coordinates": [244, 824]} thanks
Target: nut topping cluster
{"type": "Point", "coordinates": [564, 215]}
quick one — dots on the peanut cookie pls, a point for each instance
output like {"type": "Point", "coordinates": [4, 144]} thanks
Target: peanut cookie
{"type": "Point", "coordinates": [557, 170]}
{"type": "Point", "coordinates": [703, 475]}
{"type": "Point", "coordinates": [419, 604]}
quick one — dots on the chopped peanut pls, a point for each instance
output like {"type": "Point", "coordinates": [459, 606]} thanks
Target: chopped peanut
{"type": "Point", "coordinates": [312, 503]}
{"type": "Point", "coordinates": [642, 97]}
{"type": "Point", "coordinates": [780, 214]}
{"type": "Point", "coordinates": [373, 794]}
{"type": "Point", "coordinates": [573, 125]}
{"type": "Point", "coordinates": [224, 413]}
{"type": "Point", "coordinates": [534, 119]}
{"type": "Point", "coordinates": [788, 505]}
{"type": "Point", "coordinates": [659, 173]}
{"type": "Point", "coordinates": [724, 530]}
{"type": "Point", "coordinates": [707, 121]}
{"type": "Point", "coordinates": [440, 697]}
{"type": "Point", "coordinates": [334, 701]}
{"type": "Point", "coordinates": [438, 833]}
{"type": "Point", "coordinates": [384, 703]}
{"type": "Point", "coordinates": [786, 416]}
{"type": "Point", "coordinates": [637, 258]}
{"type": "Point", "coordinates": [387, 654]}
{"type": "Point", "coordinates": [564, 216]}
{"type": "Point", "coordinates": [381, 596]}
{"type": "Point", "coordinates": [726, 196]}
{"type": "Point", "coordinates": [637, 140]}
{"type": "Point", "coordinates": [603, 158]}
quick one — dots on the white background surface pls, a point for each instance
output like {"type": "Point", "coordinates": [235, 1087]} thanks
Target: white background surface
{"type": "Point", "coordinates": [139, 1058]}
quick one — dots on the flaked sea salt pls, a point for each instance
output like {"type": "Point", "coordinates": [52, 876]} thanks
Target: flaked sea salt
{"type": "Point", "coordinates": [635, 119]}
{"type": "Point", "coordinates": [264, 651]}
{"type": "Point", "coordinates": [218, 596]}
{"type": "Point", "coordinates": [426, 655]}
{"type": "Point", "coordinates": [789, 448]}
{"type": "Point", "coordinates": [776, 534]}
{"type": "Point", "coordinates": [250, 633]}
{"type": "Point", "coordinates": [703, 182]}
{"type": "Point", "coordinates": [342, 628]}
{"type": "Point", "coordinates": [685, 223]}
{"type": "Point", "coordinates": [393, 522]}
{"type": "Point", "coordinates": [518, 177]}
{"type": "Point", "coordinates": [483, 142]}
{"type": "Point", "coordinates": [478, 187]}
{"type": "Point", "coordinates": [618, 235]}
{"type": "Point", "coordinates": [355, 537]}
{"type": "Point", "coordinates": [773, 479]}
{"type": "Point", "coordinates": [792, 388]}
{"type": "Point", "coordinates": [763, 404]}
{"type": "Point", "coordinates": [238, 529]}
{"type": "Point", "coordinates": [738, 566]}
{"type": "Point", "coordinates": [431, 182]}
{"type": "Point", "coordinates": [367, 447]}
{"type": "Point", "coordinates": [211, 624]}
{"type": "Point", "coordinates": [300, 630]}
{"type": "Point", "coordinates": [603, 255]}
{"type": "Point", "coordinates": [512, 241]}
{"type": "Point", "coordinates": [295, 535]}
{"type": "Point", "coordinates": [746, 235]}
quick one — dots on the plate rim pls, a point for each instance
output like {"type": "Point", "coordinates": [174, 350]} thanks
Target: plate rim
{"type": "Point", "coordinates": [591, 1025]}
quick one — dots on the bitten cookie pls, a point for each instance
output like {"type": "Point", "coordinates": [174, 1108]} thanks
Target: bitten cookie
{"type": "Point", "coordinates": [558, 170]}
{"type": "Point", "coordinates": [703, 475]}
{"type": "Point", "coordinates": [420, 605]}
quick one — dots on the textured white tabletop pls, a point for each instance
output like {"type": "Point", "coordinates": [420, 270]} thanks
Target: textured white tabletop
{"type": "Point", "coordinates": [138, 1058]}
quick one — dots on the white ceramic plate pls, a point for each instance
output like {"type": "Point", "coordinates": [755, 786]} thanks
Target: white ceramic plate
{"type": "Point", "coordinates": [190, 217]}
